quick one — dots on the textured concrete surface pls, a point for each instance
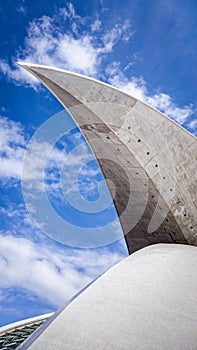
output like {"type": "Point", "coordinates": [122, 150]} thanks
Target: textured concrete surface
{"type": "Point", "coordinates": [147, 301]}
{"type": "Point", "coordinates": [148, 161]}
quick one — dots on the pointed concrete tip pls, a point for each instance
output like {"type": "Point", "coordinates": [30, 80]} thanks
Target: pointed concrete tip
{"type": "Point", "coordinates": [21, 63]}
{"type": "Point", "coordinates": [24, 64]}
{"type": "Point", "coordinates": [30, 66]}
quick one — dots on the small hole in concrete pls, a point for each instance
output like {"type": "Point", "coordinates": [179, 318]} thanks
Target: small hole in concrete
{"type": "Point", "coordinates": [184, 215]}
{"type": "Point", "coordinates": [171, 189]}
{"type": "Point", "coordinates": [164, 177]}
{"type": "Point", "coordinates": [138, 140]}
{"type": "Point", "coordinates": [153, 196]}
{"type": "Point", "coordinates": [129, 127]}
{"type": "Point", "coordinates": [145, 184]}
{"type": "Point", "coordinates": [191, 227]}
{"type": "Point", "coordinates": [166, 220]}
{"type": "Point", "coordinates": [156, 165]}
{"type": "Point", "coordinates": [107, 137]}
{"type": "Point", "coordinates": [148, 153]}
{"type": "Point", "coordinates": [137, 173]}
{"type": "Point", "coordinates": [118, 149]}
{"type": "Point", "coordinates": [128, 161]}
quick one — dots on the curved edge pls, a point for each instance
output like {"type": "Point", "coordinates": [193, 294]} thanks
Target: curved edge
{"type": "Point", "coordinates": [28, 67]}
{"type": "Point", "coordinates": [22, 323]}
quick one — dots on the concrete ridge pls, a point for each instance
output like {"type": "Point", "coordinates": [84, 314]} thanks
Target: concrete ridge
{"type": "Point", "coordinates": [28, 66]}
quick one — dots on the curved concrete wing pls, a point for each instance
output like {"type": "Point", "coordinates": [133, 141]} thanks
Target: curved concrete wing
{"type": "Point", "coordinates": [147, 301]}
{"type": "Point", "coordinates": [148, 161]}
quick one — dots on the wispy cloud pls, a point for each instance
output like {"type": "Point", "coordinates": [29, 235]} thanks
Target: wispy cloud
{"type": "Point", "coordinates": [47, 42]}
{"type": "Point", "coordinates": [85, 51]}
{"type": "Point", "coordinates": [17, 75]}
{"type": "Point", "coordinates": [165, 104]}
{"type": "Point", "coordinates": [63, 176]}
{"type": "Point", "coordinates": [21, 6]}
{"type": "Point", "coordinates": [12, 147]}
{"type": "Point", "coordinates": [95, 26]}
{"type": "Point", "coordinates": [13, 142]}
{"type": "Point", "coordinates": [15, 218]}
{"type": "Point", "coordinates": [27, 256]}
{"type": "Point", "coordinates": [137, 87]}
{"type": "Point", "coordinates": [113, 36]}
{"type": "Point", "coordinates": [192, 125]}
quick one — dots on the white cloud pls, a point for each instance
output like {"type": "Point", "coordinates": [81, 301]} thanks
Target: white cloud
{"type": "Point", "coordinates": [133, 86]}
{"type": "Point", "coordinates": [48, 272]}
{"type": "Point", "coordinates": [96, 25]}
{"type": "Point", "coordinates": [137, 87]}
{"type": "Point", "coordinates": [69, 12]}
{"type": "Point", "coordinates": [112, 36]}
{"type": "Point", "coordinates": [192, 125]}
{"type": "Point", "coordinates": [77, 55]}
{"type": "Point", "coordinates": [46, 167]}
{"type": "Point", "coordinates": [12, 146]}
{"type": "Point", "coordinates": [18, 75]}
{"type": "Point", "coordinates": [47, 42]}
{"type": "Point", "coordinates": [164, 103]}
{"type": "Point", "coordinates": [81, 50]}
{"type": "Point", "coordinates": [60, 171]}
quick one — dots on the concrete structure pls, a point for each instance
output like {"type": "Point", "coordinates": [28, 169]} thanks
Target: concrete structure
{"type": "Point", "coordinates": [145, 302]}
{"type": "Point", "coordinates": [148, 161]}
{"type": "Point", "coordinates": [148, 300]}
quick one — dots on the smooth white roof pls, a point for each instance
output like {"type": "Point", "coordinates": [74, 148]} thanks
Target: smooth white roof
{"type": "Point", "coordinates": [147, 301]}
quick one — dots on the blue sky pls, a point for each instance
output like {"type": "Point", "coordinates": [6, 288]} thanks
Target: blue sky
{"type": "Point", "coordinates": [148, 49]}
